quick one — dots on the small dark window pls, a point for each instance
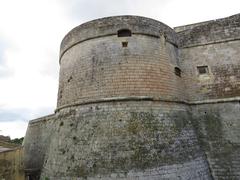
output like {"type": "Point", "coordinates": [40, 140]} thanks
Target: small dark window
{"type": "Point", "coordinates": [177, 71]}
{"type": "Point", "coordinates": [202, 70]}
{"type": "Point", "coordinates": [124, 44]}
{"type": "Point", "coordinates": [124, 33]}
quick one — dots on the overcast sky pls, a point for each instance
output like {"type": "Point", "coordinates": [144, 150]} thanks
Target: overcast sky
{"type": "Point", "coordinates": [30, 36]}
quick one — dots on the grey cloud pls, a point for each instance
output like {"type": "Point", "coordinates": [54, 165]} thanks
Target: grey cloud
{"type": "Point", "coordinates": [86, 10]}
{"type": "Point", "coordinates": [51, 67]}
{"type": "Point", "coordinates": [6, 116]}
{"type": "Point", "coordinates": [2, 47]}
{"type": "Point", "coordinates": [23, 114]}
{"type": "Point", "coordinates": [4, 70]}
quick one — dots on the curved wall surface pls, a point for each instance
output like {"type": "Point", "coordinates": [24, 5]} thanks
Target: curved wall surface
{"type": "Point", "coordinates": [98, 67]}
{"type": "Point", "coordinates": [134, 103]}
{"type": "Point", "coordinates": [125, 140]}
{"type": "Point", "coordinates": [120, 111]}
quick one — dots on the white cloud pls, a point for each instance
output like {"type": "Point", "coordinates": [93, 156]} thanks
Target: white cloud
{"type": "Point", "coordinates": [29, 63]}
{"type": "Point", "coordinates": [14, 129]}
{"type": "Point", "coordinates": [33, 30]}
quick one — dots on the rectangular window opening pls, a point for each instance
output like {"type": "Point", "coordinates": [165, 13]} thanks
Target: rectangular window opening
{"type": "Point", "coordinates": [202, 70]}
{"type": "Point", "coordinates": [124, 44]}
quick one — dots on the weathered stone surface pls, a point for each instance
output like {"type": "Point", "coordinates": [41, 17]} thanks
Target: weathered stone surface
{"type": "Point", "coordinates": [109, 26]}
{"type": "Point", "coordinates": [36, 143]}
{"type": "Point", "coordinates": [137, 107]}
{"type": "Point", "coordinates": [11, 160]}
{"type": "Point", "coordinates": [223, 78]}
{"type": "Point", "coordinates": [125, 140]}
{"type": "Point", "coordinates": [219, 30]}
{"type": "Point", "coordinates": [108, 70]}
{"type": "Point", "coordinates": [218, 129]}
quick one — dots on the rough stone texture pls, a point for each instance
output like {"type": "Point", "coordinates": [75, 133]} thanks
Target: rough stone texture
{"type": "Point", "coordinates": [126, 113]}
{"type": "Point", "coordinates": [218, 129]}
{"type": "Point", "coordinates": [211, 32]}
{"type": "Point", "coordinates": [110, 25]}
{"type": "Point", "coordinates": [36, 143]}
{"type": "Point", "coordinates": [223, 79]}
{"type": "Point", "coordinates": [108, 70]}
{"type": "Point", "coordinates": [125, 140]}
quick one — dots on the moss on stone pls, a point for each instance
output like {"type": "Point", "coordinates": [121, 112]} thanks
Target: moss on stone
{"type": "Point", "coordinates": [212, 139]}
{"type": "Point", "coordinates": [61, 124]}
{"type": "Point", "coordinates": [79, 171]}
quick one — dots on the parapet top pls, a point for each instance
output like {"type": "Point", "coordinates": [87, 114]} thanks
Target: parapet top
{"type": "Point", "coordinates": [219, 30]}
{"type": "Point", "coordinates": [110, 26]}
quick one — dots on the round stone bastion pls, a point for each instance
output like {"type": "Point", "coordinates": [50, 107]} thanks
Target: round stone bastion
{"type": "Point", "coordinates": [121, 111]}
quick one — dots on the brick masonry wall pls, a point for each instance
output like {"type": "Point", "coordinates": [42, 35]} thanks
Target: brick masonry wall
{"type": "Point", "coordinates": [218, 127]}
{"type": "Point", "coordinates": [223, 78]}
{"type": "Point", "coordinates": [214, 44]}
{"type": "Point", "coordinates": [110, 25]}
{"type": "Point", "coordinates": [102, 68]}
{"type": "Point", "coordinates": [125, 140]}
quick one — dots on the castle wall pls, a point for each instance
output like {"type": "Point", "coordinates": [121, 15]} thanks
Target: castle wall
{"type": "Point", "coordinates": [190, 26]}
{"type": "Point", "coordinates": [214, 95]}
{"type": "Point", "coordinates": [125, 140]}
{"type": "Point", "coordinates": [36, 144]}
{"type": "Point", "coordinates": [215, 45]}
{"type": "Point", "coordinates": [145, 68]}
{"type": "Point", "coordinates": [124, 112]}
{"type": "Point", "coordinates": [110, 25]}
{"type": "Point", "coordinates": [223, 77]}
{"type": "Point", "coordinates": [109, 70]}
{"type": "Point", "coordinates": [218, 127]}
{"type": "Point", "coordinates": [220, 30]}
{"type": "Point", "coordinates": [121, 110]}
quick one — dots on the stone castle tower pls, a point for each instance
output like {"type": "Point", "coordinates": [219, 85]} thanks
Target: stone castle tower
{"type": "Point", "coordinates": [139, 100]}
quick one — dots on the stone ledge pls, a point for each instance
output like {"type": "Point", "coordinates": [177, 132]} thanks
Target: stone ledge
{"type": "Point", "coordinates": [110, 26]}
{"type": "Point", "coordinates": [44, 118]}
{"type": "Point", "coordinates": [211, 42]}
{"type": "Point", "coordinates": [214, 101]}
{"type": "Point", "coordinates": [148, 98]}
{"type": "Point", "coordinates": [100, 36]}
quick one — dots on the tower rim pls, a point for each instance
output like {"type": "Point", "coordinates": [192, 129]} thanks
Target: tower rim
{"type": "Point", "coordinates": [108, 26]}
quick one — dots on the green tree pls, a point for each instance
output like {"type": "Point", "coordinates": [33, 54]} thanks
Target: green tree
{"type": "Point", "coordinates": [17, 140]}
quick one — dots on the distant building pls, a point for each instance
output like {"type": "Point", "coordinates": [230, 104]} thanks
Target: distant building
{"type": "Point", "coordinates": [11, 163]}
{"type": "Point", "coordinates": [4, 138]}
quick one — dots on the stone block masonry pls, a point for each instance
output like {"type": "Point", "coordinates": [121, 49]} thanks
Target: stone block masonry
{"type": "Point", "coordinates": [128, 140]}
{"type": "Point", "coordinates": [138, 100]}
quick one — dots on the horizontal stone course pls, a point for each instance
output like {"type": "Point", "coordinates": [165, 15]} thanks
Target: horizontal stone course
{"type": "Point", "coordinates": [118, 74]}
{"type": "Point", "coordinates": [109, 26]}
